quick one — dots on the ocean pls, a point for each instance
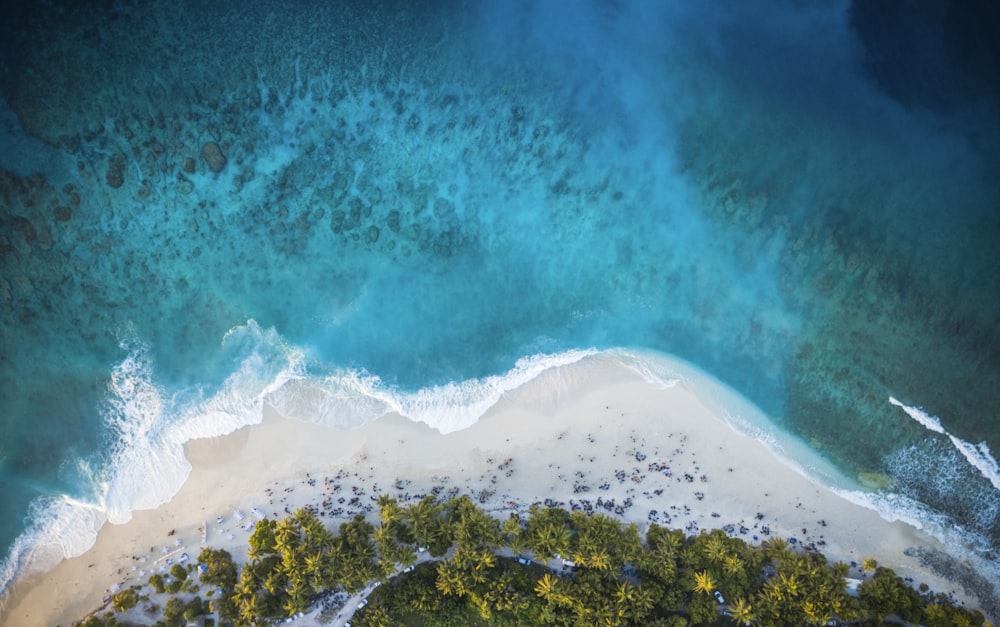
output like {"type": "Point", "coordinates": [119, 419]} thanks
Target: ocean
{"type": "Point", "coordinates": [343, 209]}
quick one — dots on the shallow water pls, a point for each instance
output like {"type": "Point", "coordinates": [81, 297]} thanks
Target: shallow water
{"type": "Point", "coordinates": [423, 207]}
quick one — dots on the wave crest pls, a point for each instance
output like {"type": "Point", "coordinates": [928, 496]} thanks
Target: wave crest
{"type": "Point", "coordinates": [147, 428]}
{"type": "Point", "coordinates": [351, 399]}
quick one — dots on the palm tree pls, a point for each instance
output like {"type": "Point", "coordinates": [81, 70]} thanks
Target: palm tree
{"type": "Point", "coordinates": [425, 602]}
{"type": "Point", "coordinates": [732, 565]}
{"type": "Point", "coordinates": [307, 522]}
{"type": "Point", "coordinates": [715, 549]}
{"type": "Point", "coordinates": [789, 583]}
{"type": "Point", "coordinates": [778, 550]}
{"type": "Point", "coordinates": [703, 582]}
{"type": "Point", "coordinates": [742, 612]}
{"type": "Point", "coordinates": [286, 535]}
{"type": "Point", "coordinates": [642, 603]}
{"type": "Point", "coordinates": [813, 612]}
{"type": "Point", "coordinates": [550, 539]}
{"type": "Point", "coordinates": [632, 603]}
{"type": "Point", "coordinates": [484, 559]}
{"type": "Point", "coordinates": [935, 614]}
{"type": "Point", "coordinates": [424, 519]}
{"type": "Point", "coordinates": [513, 533]}
{"type": "Point", "coordinates": [275, 582]}
{"type": "Point", "coordinates": [869, 564]}
{"type": "Point", "coordinates": [450, 580]}
{"type": "Point", "coordinates": [598, 559]}
{"type": "Point", "coordinates": [482, 605]}
{"type": "Point", "coordinates": [389, 510]}
{"type": "Point", "coordinates": [472, 526]}
{"type": "Point", "coordinates": [772, 592]}
{"type": "Point", "coordinates": [624, 593]}
{"type": "Point", "coordinates": [262, 539]}
{"type": "Point", "coordinates": [248, 603]}
{"type": "Point", "coordinates": [547, 587]}
{"type": "Point", "coordinates": [314, 565]}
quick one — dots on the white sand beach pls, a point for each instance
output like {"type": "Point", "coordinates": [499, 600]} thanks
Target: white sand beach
{"type": "Point", "coordinates": [591, 435]}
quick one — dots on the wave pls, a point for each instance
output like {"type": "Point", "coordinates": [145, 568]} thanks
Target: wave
{"type": "Point", "coordinates": [978, 455]}
{"type": "Point", "coordinates": [147, 427]}
{"type": "Point", "coordinates": [978, 506]}
{"type": "Point", "coordinates": [930, 422]}
{"type": "Point", "coordinates": [60, 527]}
{"type": "Point", "coordinates": [353, 398]}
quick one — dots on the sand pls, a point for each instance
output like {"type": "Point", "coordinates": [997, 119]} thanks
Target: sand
{"type": "Point", "coordinates": [592, 435]}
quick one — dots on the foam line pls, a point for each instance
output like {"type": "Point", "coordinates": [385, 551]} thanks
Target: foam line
{"type": "Point", "coordinates": [353, 398]}
{"type": "Point", "coordinates": [928, 421]}
{"type": "Point", "coordinates": [978, 455]}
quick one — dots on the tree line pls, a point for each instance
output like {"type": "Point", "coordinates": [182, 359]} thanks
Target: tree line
{"type": "Point", "coordinates": [616, 577]}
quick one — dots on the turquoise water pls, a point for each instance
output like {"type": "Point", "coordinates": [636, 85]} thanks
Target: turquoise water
{"type": "Point", "coordinates": [423, 206]}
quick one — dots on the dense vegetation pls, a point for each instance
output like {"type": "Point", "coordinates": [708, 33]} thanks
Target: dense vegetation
{"type": "Point", "coordinates": [615, 577]}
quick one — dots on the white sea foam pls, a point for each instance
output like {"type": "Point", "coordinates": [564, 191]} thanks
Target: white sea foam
{"type": "Point", "coordinates": [148, 428]}
{"type": "Point", "coordinates": [920, 416]}
{"type": "Point", "coordinates": [148, 465]}
{"type": "Point", "coordinates": [978, 455]}
{"type": "Point", "coordinates": [60, 527]}
{"type": "Point", "coordinates": [745, 417]}
{"type": "Point", "coordinates": [354, 398]}
{"type": "Point", "coordinates": [896, 507]}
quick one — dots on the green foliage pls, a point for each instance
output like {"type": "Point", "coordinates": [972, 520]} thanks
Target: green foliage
{"type": "Point", "coordinates": [220, 571]}
{"type": "Point", "coordinates": [666, 580]}
{"type": "Point", "coordinates": [886, 594]}
{"type": "Point", "coordinates": [548, 531]}
{"type": "Point", "coordinates": [173, 613]}
{"type": "Point", "coordinates": [125, 600]}
{"type": "Point", "coordinates": [262, 539]}
{"type": "Point", "coordinates": [178, 572]}
{"type": "Point", "coordinates": [426, 525]}
{"type": "Point", "coordinates": [156, 580]}
{"type": "Point", "coordinates": [805, 590]}
{"type": "Point", "coordinates": [193, 609]}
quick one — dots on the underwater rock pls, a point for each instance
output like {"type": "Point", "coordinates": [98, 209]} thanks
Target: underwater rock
{"type": "Point", "coordinates": [213, 156]}
{"type": "Point", "coordinates": [62, 213]}
{"type": "Point", "coordinates": [26, 228]}
{"type": "Point", "coordinates": [371, 236]}
{"type": "Point", "coordinates": [189, 165]}
{"type": "Point", "coordinates": [116, 170]}
{"type": "Point", "coordinates": [45, 241]}
{"type": "Point", "coordinates": [875, 480]}
{"type": "Point", "coordinates": [184, 186]}
{"type": "Point", "coordinates": [337, 221]}
{"type": "Point", "coordinates": [393, 221]}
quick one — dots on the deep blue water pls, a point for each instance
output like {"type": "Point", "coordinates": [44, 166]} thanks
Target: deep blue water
{"type": "Point", "coordinates": [422, 204]}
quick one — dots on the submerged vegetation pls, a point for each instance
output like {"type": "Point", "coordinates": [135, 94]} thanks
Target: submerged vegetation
{"type": "Point", "coordinates": [451, 563]}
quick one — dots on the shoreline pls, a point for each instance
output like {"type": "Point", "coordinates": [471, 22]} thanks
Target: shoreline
{"type": "Point", "coordinates": [591, 435]}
